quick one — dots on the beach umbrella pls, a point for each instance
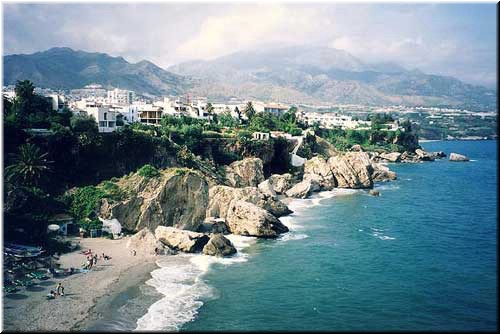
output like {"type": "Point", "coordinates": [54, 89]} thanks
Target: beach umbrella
{"type": "Point", "coordinates": [53, 227]}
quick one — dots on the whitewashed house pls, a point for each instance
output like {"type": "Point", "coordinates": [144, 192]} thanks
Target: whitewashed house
{"type": "Point", "coordinates": [105, 117]}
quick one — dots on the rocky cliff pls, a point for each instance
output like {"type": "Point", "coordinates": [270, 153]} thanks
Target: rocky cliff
{"type": "Point", "coordinates": [246, 172]}
{"type": "Point", "coordinates": [178, 198]}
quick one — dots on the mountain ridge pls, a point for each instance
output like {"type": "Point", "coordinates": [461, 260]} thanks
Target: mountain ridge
{"type": "Point", "coordinates": [65, 68]}
{"type": "Point", "coordinates": [319, 75]}
{"type": "Point", "coordinates": [288, 74]}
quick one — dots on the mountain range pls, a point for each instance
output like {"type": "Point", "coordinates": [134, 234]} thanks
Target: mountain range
{"type": "Point", "coordinates": [318, 75]}
{"type": "Point", "coordinates": [64, 68]}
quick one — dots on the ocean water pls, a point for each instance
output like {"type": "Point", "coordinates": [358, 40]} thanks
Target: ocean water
{"type": "Point", "coordinates": [421, 256]}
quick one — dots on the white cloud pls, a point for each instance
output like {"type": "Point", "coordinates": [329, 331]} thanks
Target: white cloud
{"type": "Point", "coordinates": [249, 27]}
{"type": "Point", "coordinates": [439, 38]}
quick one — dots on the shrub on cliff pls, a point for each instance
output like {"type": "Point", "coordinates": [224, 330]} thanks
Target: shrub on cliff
{"type": "Point", "coordinates": [148, 171]}
{"type": "Point", "coordinates": [85, 201]}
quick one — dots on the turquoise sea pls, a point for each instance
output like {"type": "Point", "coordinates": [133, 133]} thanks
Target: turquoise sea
{"type": "Point", "coordinates": [422, 256]}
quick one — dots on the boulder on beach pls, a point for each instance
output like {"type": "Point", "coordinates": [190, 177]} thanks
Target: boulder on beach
{"type": "Point", "coordinates": [458, 157]}
{"type": "Point", "coordinates": [266, 188]}
{"type": "Point", "coordinates": [144, 242]}
{"type": "Point", "coordinates": [218, 245]}
{"type": "Point", "coordinates": [246, 172]}
{"type": "Point", "coordinates": [213, 225]}
{"type": "Point", "coordinates": [382, 173]}
{"type": "Point", "coordinates": [392, 157]}
{"type": "Point", "coordinates": [221, 196]}
{"type": "Point", "coordinates": [319, 170]}
{"type": "Point", "coordinates": [374, 192]}
{"type": "Point", "coordinates": [246, 218]}
{"type": "Point", "coordinates": [303, 189]}
{"type": "Point", "coordinates": [182, 240]}
{"type": "Point", "coordinates": [281, 182]}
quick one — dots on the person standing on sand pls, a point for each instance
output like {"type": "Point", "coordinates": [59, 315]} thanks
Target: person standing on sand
{"type": "Point", "coordinates": [95, 259]}
{"type": "Point", "coordinates": [60, 289]}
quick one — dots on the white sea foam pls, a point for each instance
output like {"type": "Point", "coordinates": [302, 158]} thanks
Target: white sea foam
{"type": "Point", "coordinates": [293, 236]}
{"type": "Point", "coordinates": [387, 187]}
{"type": "Point", "coordinates": [379, 235]}
{"type": "Point", "coordinates": [179, 280]}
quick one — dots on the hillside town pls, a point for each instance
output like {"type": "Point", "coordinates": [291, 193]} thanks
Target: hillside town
{"type": "Point", "coordinates": [114, 108]}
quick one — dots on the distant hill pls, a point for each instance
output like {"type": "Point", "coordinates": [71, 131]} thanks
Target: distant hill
{"type": "Point", "coordinates": [64, 68]}
{"type": "Point", "coordinates": [326, 75]}
{"type": "Point", "coordinates": [293, 74]}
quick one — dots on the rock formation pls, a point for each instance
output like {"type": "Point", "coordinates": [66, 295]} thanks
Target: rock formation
{"type": "Point", "coordinates": [246, 172]}
{"type": "Point", "coordinates": [213, 225]}
{"type": "Point", "coordinates": [221, 196]}
{"type": "Point", "coordinates": [171, 199]}
{"type": "Point", "coordinates": [458, 157]}
{"type": "Point", "coordinates": [352, 170]}
{"type": "Point", "coordinates": [423, 155]}
{"type": "Point", "coordinates": [246, 218]}
{"type": "Point", "coordinates": [218, 245]}
{"type": "Point", "coordinates": [144, 242]}
{"type": "Point", "coordinates": [303, 189]}
{"type": "Point", "coordinates": [392, 157]}
{"type": "Point", "coordinates": [182, 240]}
{"type": "Point", "coordinates": [266, 188]}
{"type": "Point", "coordinates": [382, 173]}
{"type": "Point", "coordinates": [281, 182]}
{"type": "Point", "coordinates": [318, 170]}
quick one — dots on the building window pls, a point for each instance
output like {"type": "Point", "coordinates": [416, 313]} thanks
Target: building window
{"type": "Point", "coordinates": [111, 124]}
{"type": "Point", "coordinates": [105, 116]}
{"type": "Point", "coordinates": [102, 124]}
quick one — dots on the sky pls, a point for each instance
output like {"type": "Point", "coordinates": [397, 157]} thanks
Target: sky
{"type": "Point", "coordinates": [449, 39]}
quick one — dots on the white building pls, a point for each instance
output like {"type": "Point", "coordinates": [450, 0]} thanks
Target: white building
{"type": "Point", "coordinates": [276, 108]}
{"type": "Point", "coordinates": [332, 120]}
{"type": "Point", "coordinates": [58, 102]}
{"type": "Point", "coordinates": [104, 116]}
{"type": "Point", "coordinates": [149, 114]}
{"type": "Point", "coordinates": [120, 97]}
{"type": "Point", "coordinates": [130, 113]}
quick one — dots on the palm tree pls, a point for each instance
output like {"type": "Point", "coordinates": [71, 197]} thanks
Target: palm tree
{"type": "Point", "coordinates": [210, 111]}
{"type": "Point", "coordinates": [238, 113]}
{"type": "Point", "coordinates": [249, 110]}
{"type": "Point", "coordinates": [29, 167]}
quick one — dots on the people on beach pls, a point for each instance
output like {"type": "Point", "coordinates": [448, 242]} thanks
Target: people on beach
{"type": "Point", "coordinates": [95, 259]}
{"type": "Point", "coordinates": [60, 289]}
{"type": "Point", "coordinates": [51, 294]}
{"type": "Point", "coordinates": [89, 263]}
{"type": "Point", "coordinates": [133, 252]}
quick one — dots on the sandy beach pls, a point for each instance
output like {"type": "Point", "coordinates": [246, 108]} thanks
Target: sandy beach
{"type": "Point", "coordinates": [29, 309]}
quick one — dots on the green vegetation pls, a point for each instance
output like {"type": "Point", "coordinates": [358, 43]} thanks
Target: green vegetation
{"type": "Point", "coordinates": [48, 152]}
{"type": "Point", "coordinates": [29, 166]}
{"type": "Point", "coordinates": [148, 171]}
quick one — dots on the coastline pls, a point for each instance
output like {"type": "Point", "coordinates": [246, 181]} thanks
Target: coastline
{"type": "Point", "coordinates": [84, 293]}
{"type": "Point", "coordinates": [176, 282]}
